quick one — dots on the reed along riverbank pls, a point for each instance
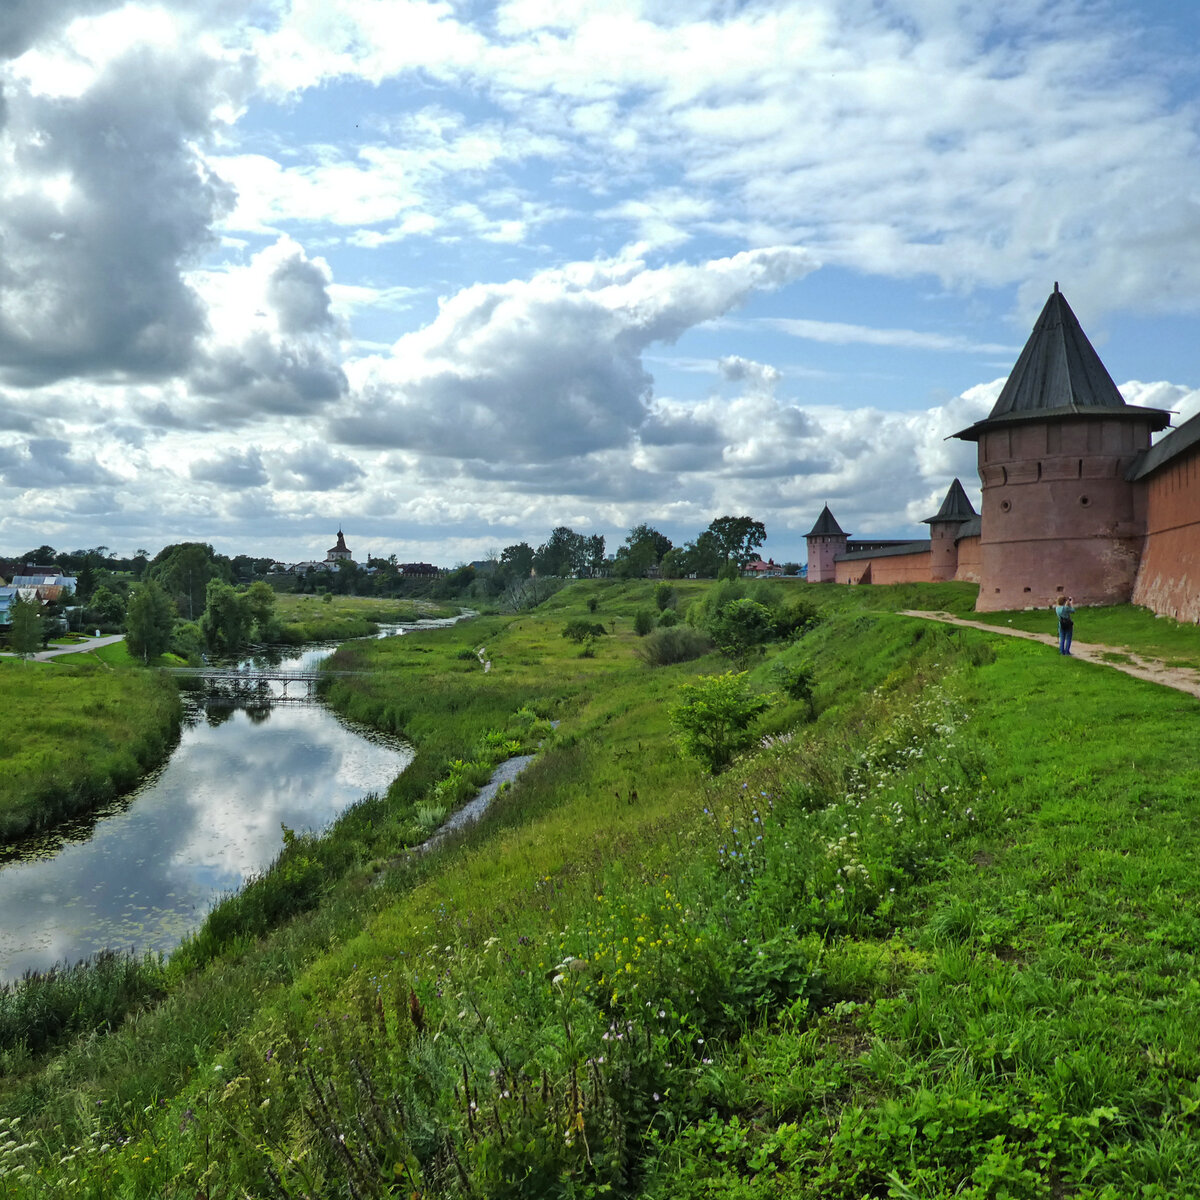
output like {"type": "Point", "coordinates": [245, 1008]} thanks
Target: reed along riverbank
{"type": "Point", "coordinates": [935, 941]}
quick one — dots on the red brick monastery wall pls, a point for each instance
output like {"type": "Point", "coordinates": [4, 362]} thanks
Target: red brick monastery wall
{"type": "Point", "coordinates": [1058, 514]}
{"type": "Point", "coordinates": [891, 568]}
{"type": "Point", "coordinates": [970, 561]}
{"type": "Point", "coordinates": [1168, 581]}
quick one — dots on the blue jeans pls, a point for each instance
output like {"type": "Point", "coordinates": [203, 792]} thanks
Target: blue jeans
{"type": "Point", "coordinates": [1065, 633]}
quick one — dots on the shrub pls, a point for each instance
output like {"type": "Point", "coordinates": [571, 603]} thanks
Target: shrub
{"type": "Point", "coordinates": [664, 596]}
{"type": "Point", "coordinates": [593, 603]}
{"type": "Point", "coordinates": [675, 644]}
{"type": "Point", "coordinates": [667, 618]}
{"type": "Point", "coordinates": [741, 628]}
{"type": "Point", "coordinates": [713, 717]}
{"type": "Point", "coordinates": [797, 618]}
{"type": "Point", "coordinates": [643, 622]}
{"type": "Point", "coordinates": [795, 681]}
{"type": "Point", "coordinates": [580, 630]}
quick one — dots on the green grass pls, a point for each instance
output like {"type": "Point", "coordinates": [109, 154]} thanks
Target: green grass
{"type": "Point", "coordinates": [940, 941]}
{"type": "Point", "coordinates": [74, 735]}
{"type": "Point", "coordinates": [1122, 626]}
{"type": "Point", "coordinates": [306, 618]}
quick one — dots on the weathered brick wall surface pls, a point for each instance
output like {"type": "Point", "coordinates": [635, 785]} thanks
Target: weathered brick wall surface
{"type": "Point", "coordinates": [1058, 516]}
{"type": "Point", "coordinates": [969, 561]}
{"type": "Point", "coordinates": [1168, 580]}
{"type": "Point", "coordinates": [943, 554]}
{"type": "Point", "coordinates": [891, 568]}
{"type": "Point", "coordinates": [821, 552]}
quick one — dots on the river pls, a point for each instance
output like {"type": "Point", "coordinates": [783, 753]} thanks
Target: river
{"type": "Point", "coordinates": [142, 874]}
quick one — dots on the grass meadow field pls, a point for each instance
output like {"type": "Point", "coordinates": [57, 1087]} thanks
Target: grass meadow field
{"type": "Point", "coordinates": [935, 937]}
{"type": "Point", "coordinates": [76, 734]}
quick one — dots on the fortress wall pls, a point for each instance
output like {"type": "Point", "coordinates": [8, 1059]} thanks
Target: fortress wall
{"type": "Point", "coordinates": [821, 553]}
{"type": "Point", "coordinates": [1058, 514]}
{"type": "Point", "coordinates": [890, 568]}
{"type": "Point", "coordinates": [970, 562]}
{"type": "Point", "coordinates": [943, 554]}
{"type": "Point", "coordinates": [1168, 581]}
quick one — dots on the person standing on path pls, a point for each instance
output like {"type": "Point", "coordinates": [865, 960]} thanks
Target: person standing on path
{"type": "Point", "coordinates": [1066, 624]}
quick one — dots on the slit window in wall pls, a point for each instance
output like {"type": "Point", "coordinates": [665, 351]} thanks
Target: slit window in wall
{"type": "Point", "coordinates": [1028, 589]}
{"type": "Point", "coordinates": [1085, 501]}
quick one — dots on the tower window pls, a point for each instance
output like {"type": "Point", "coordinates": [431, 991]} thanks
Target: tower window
{"type": "Point", "coordinates": [1005, 505]}
{"type": "Point", "coordinates": [1084, 501]}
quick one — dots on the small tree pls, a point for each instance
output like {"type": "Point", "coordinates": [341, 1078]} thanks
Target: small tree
{"type": "Point", "coordinates": [664, 596]}
{"type": "Point", "coordinates": [741, 628]}
{"type": "Point", "coordinates": [796, 681]}
{"type": "Point", "coordinates": [107, 606]}
{"type": "Point", "coordinates": [226, 621]}
{"type": "Point", "coordinates": [149, 621]}
{"type": "Point", "coordinates": [713, 717]}
{"type": "Point", "coordinates": [580, 630]}
{"type": "Point", "coordinates": [25, 635]}
{"type": "Point", "coordinates": [260, 605]}
{"type": "Point", "coordinates": [643, 622]}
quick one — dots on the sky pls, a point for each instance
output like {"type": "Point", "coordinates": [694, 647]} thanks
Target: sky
{"type": "Point", "coordinates": [448, 274]}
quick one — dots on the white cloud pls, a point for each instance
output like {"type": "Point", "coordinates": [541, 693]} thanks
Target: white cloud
{"type": "Point", "coordinates": [540, 370]}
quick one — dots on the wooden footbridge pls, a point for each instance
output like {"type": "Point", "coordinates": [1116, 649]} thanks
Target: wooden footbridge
{"type": "Point", "coordinates": [256, 682]}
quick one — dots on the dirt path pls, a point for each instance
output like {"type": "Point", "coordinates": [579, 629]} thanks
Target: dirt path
{"type": "Point", "coordinates": [1182, 679]}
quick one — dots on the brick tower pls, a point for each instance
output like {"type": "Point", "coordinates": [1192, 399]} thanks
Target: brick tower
{"type": "Point", "coordinates": [1059, 516]}
{"type": "Point", "coordinates": [943, 532]}
{"type": "Point", "coordinates": [825, 542]}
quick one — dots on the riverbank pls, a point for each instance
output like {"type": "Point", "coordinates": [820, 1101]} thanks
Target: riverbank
{"type": "Point", "coordinates": [76, 735]}
{"type": "Point", "coordinates": [929, 943]}
{"type": "Point", "coordinates": [308, 618]}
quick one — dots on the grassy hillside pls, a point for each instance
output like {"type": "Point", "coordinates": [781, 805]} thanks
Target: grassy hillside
{"type": "Point", "coordinates": [937, 941]}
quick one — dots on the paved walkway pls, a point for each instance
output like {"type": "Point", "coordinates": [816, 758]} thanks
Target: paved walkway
{"type": "Point", "coordinates": [78, 648]}
{"type": "Point", "coordinates": [1183, 679]}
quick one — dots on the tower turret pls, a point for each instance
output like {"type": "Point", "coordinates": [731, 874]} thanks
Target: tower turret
{"type": "Point", "coordinates": [825, 542]}
{"type": "Point", "coordinates": [943, 532]}
{"type": "Point", "coordinates": [1058, 514]}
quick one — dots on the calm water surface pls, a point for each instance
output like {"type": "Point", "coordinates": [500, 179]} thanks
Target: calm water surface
{"type": "Point", "coordinates": [144, 873]}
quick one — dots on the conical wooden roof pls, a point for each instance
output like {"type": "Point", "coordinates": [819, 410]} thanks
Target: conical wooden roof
{"type": "Point", "coordinates": [826, 525]}
{"type": "Point", "coordinates": [956, 506]}
{"type": "Point", "coordinates": [1059, 374]}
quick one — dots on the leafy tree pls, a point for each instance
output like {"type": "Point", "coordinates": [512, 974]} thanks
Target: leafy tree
{"type": "Point", "coordinates": [580, 630]}
{"type": "Point", "coordinates": [713, 717]}
{"type": "Point", "coordinates": [796, 680]}
{"type": "Point", "coordinates": [185, 570]}
{"type": "Point", "coordinates": [149, 621]}
{"type": "Point", "coordinates": [564, 552]}
{"type": "Point", "coordinates": [516, 561]}
{"type": "Point", "coordinates": [260, 606]}
{"type": "Point", "coordinates": [141, 560]}
{"type": "Point", "coordinates": [702, 558]}
{"type": "Point", "coordinates": [643, 548]}
{"type": "Point", "coordinates": [737, 538]}
{"type": "Point", "coordinates": [741, 628]}
{"type": "Point", "coordinates": [594, 551]}
{"type": "Point", "coordinates": [107, 606]}
{"type": "Point", "coordinates": [43, 556]}
{"type": "Point", "coordinates": [85, 581]}
{"type": "Point", "coordinates": [25, 634]}
{"type": "Point", "coordinates": [226, 619]}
